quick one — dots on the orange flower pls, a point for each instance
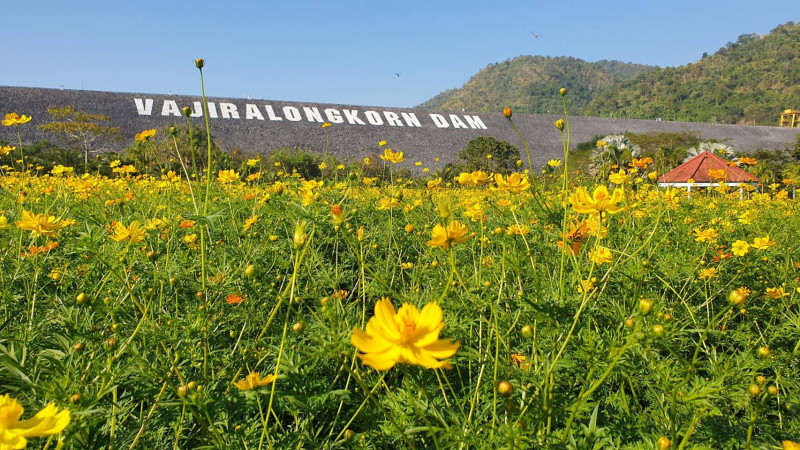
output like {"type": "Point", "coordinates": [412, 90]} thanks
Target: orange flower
{"type": "Point", "coordinates": [234, 299]}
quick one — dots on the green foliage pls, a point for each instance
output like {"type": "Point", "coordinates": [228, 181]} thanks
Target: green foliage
{"type": "Point", "coordinates": [747, 82]}
{"type": "Point", "coordinates": [300, 160]}
{"type": "Point", "coordinates": [490, 155]}
{"type": "Point", "coordinates": [171, 146]}
{"type": "Point", "coordinates": [528, 84]}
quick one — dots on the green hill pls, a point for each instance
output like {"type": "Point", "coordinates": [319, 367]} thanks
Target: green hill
{"type": "Point", "coordinates": [749, 81]}
{"type": "Point", "coordinates": [530, 84]}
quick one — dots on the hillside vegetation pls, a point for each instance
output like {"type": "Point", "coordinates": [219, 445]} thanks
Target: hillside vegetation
{"type": "Point", "coordinates": [749, 81]}
{"type": "Point", "coordinates": [745, 82]}
{"type": "Point", "coordinates": [527, 84]}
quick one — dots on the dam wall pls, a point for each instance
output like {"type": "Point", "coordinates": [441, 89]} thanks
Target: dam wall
{"type": "Point", "coordinates": [259, 126]}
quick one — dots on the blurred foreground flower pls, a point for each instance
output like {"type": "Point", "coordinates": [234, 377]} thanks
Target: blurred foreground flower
{"type": "Point", "coordinates": [39, 224]}
{"type": "Point", "coordinates": [406, 336]}
{"type": "Point", "coordinates": [13, 432]}
{"type": "Point", "coordinates": [14, 119]}
{"type": "Point", "coordinates": [254, 381]}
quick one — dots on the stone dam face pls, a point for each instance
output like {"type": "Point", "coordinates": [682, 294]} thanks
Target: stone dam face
{"type": "Point", "coordinates": [259, 126]}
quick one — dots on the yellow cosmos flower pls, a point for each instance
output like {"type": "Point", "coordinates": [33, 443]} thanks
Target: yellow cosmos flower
{"type": "Point", "coordinates": [554, 163]}
{"type": "Point", "coordinates": [4, 223]}
{"type": "Point", "coordinates": [39, 224]}
{"type": "Point", "coordinates": [600, 201]}
{"type": "Point", "coordinates": [406, 336]}
{"type": "Point", "coordinates": [227, 176]}
{"type": "Point", "coordinates": [762, 243]}
{"type": "Point", "coordinates": [475, 178]}
{"type": "Point", "coordinates": [601, 255]}
{"type": "Point", "coordinates": [250, 222]}
{"type": "Point", "coordinates": [515, 183]}
{"type": "Point", "coordinates": [789, 445]}
{"type": "Point", "coordinates": [145, 135]}
{"type": "Point", "coordinates": [707, 235]}
{"type": "Point", "coordinates": [455, 233]}
{"type": "Point", "coordinates": [5, 150]}
{"type": "Point", "coordinates": [434, 183]}
{"type": "Point", "coordinates": [59, 170]}
{"type": "Point", "coordinates": [776, 293]}
{"type": "Point", "coordinates": [254, 381]}
{"type": "Point", "coordinates": [392, 157]}
{"type": "Point", "coordinates": [15, 119]}
{"type": "Point", "coordinates": [740, 248]}
{"type": "Point", "coordinates": [387, 203]}
{"type": "Point", "coordinates": [620, 177]}
{"type": "Point", "coordinates": [155, 224]}
{"type": "Point", "coordinates": [708, 273]}
{"type": "Point", "coordinates": [133, 232]}
{"type": "Point", "coordinates": [14, 432]}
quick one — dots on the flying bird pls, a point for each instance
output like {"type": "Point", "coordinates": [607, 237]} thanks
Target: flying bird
{"type": "Point", "coordinates": [536, 36]}
{"type": "Point", "coordinates": [397, 74]}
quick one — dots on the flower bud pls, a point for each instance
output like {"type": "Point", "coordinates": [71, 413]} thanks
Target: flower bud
{"type": "Point", "coordinates": [663, 443]}
{"type": "Point", "coordinates": [504, 388]}
{"type": "Point", "coordinates": [199, 63]}
{"type": "Point", "coordinates": [337, 214]}
{"type": "Point", "coordinates": [527, 331]}
{"type": "Point", "coordinates": [737, 296]}
{"type": "Point", "coordinates": [562, 91]}
{"type": "Point", "coordinates": [186, 111]}
{"type": "Point", "coordinates": [773, 390]}
{"type": "Point", "coordinates": [559, 124]}
{"type": "Point", "coordinates": [444, 210]}
{"type": "Point", "coordinates": [300, 237]}
{"type": "Point", "coordinates": [645, 305]}
{"type": "Point", "coordinates": [507, 113]}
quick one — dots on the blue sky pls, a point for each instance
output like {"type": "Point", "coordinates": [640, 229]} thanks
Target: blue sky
{"type": "Point", "coordinates": [348, 52]}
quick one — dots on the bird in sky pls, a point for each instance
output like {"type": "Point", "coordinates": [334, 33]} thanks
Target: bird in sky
{"type": "Point", "coordinates": [535, 35]}
{"type": "Point", "coordinates": [397, 74]}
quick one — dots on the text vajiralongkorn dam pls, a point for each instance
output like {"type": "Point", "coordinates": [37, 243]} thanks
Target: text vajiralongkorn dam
{"type": "Point", "coordinates": [226, 110]}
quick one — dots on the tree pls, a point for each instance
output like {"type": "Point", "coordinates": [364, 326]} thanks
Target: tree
{"type": "Point", "coordinates": [489, 154]}
{"type": "Point", "coordinates": [82, 131]}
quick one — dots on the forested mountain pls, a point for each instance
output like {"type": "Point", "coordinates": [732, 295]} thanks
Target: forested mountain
{"type": "Point", "coordinates": [748, 81]}
{"type": "Point", "coordinates": [530, 84]}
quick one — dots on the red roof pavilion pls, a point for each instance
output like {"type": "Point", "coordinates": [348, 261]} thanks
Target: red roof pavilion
{"type": "Point", "coordinates": [697, 169]}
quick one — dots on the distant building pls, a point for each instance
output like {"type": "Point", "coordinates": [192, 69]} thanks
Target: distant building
{"type": "Point", "coordinates": [705, 170]}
